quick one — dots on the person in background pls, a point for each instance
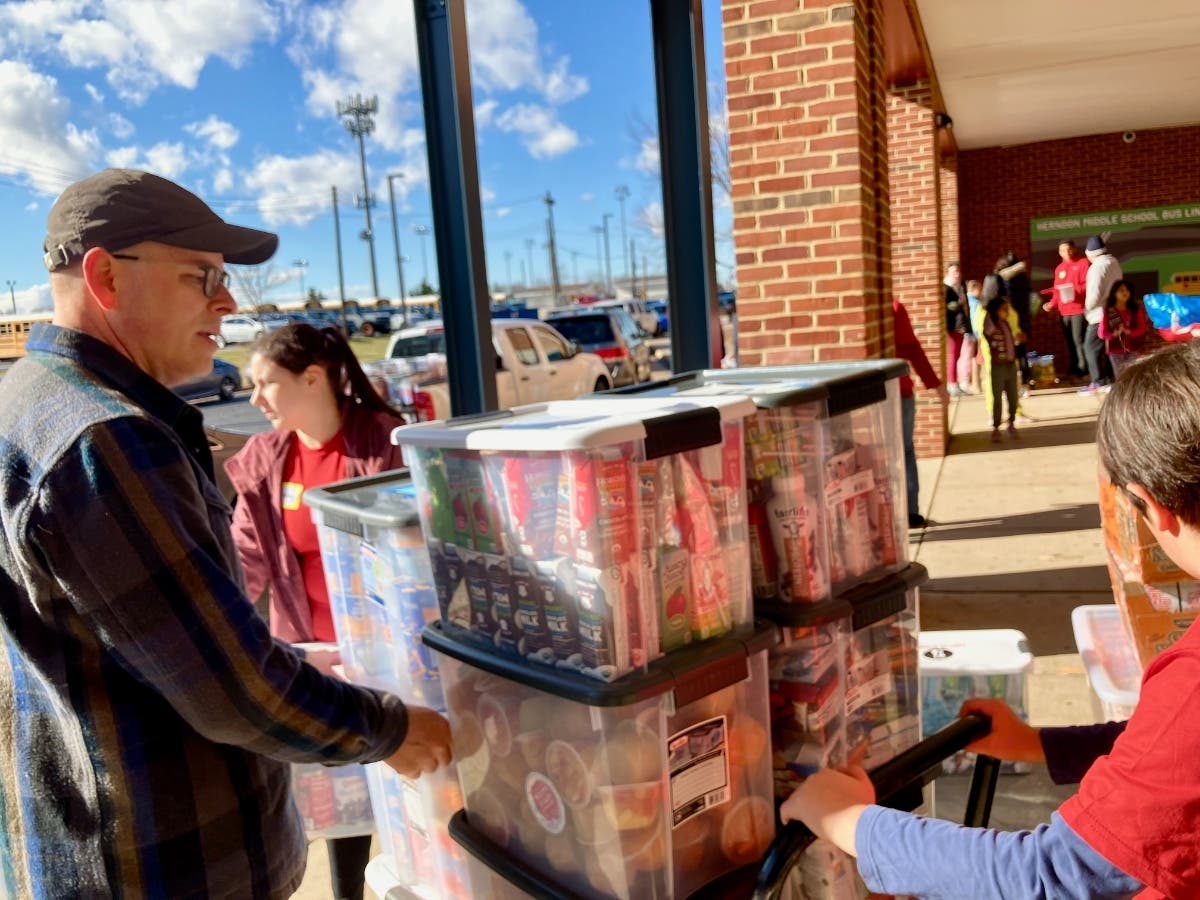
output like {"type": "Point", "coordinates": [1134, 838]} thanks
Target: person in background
{"type": "Point", "coordinates": [958, 326]}
{"type": "Point", "coordinates": [1066, 296]}
{"type": "Point", "coordinates": [1003, 374]}
{"type": "Point", "coordinates": [909, 349]}
{"type": "Point", "coordinates": [1102, 274]}
{"type": "Point", "coordinates": [1018, 287]}
{"type": "Point", "coordinates": [1131, 828]}
{"type": "Point", "coordinates": [149, 716]}
{"type": "Point", "coordinates": [975, 306]}
{"type": "Point", "coordinates": [1123, 328]}
{"type": "Point", "coordinates": [993, 288]}
{"type": "Point", "coordinates": [328, 424]}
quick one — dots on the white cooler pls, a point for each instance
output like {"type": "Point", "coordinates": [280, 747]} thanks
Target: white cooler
{"type": "Point", "coordinates": [1112, 666]}
{"type": "Point", "coordinates": [961, 665]}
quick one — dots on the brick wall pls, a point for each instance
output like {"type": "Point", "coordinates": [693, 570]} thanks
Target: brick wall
{"type": "Point", "coordinates": [1002, 188]}
{"type": "Point", "coordinates": [914, 185]}
{"type": "Point", "coordinates": [808, 157]}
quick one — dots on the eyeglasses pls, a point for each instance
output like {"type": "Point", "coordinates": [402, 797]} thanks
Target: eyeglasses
{"type": "Point", "coordinates": [211, 281]}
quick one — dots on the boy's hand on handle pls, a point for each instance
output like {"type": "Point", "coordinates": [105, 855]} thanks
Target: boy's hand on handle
{"type": "Point", "coordinates": [426, 747]}
{"type": "Point", "coordinates": [830, 803]}
{"type": "Point", "coordinates": [1010, 738]}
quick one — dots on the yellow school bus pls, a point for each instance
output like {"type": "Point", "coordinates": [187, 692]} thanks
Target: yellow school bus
{"type": "Point", "coordinates": [14, 331]}
{"type": "Point", "coordinates": [1183, 283]}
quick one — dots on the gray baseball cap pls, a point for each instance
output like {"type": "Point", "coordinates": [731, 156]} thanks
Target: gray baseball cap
{"type": "Point", "coordinates": [117, 208]}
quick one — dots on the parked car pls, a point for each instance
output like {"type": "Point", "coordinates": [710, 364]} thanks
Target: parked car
{"type": "Point", "coordinates": [660, 309]}
{"type": "Point", "coordinates": [223, 381]}
{"type": "Point", "coordinates": [240, 329]}
{"type": "Point", "coordinates": [610, 333]}
{"type": "Point", "coordinates": [534, 363]}
{"type": "Point", "coordinates": [646, 320]}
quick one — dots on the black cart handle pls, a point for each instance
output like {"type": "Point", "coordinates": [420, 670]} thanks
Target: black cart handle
{"type": "Point", "coordinates": [917, 765]}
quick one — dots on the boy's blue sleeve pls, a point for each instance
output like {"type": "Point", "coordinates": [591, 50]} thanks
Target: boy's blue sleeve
{"type": "Point", "coordinates": [899, 853]}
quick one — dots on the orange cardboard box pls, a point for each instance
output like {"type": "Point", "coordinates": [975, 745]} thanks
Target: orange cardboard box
{"type": "Point", "coordinates": [1126, 535]}
{"type": "Point", "coordinates": [1155, 615]}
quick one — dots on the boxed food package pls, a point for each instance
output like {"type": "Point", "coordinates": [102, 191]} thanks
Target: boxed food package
{"type": "Point", "coordinates": [1112, 666]}
{"type": "Point", "coordinates": [332, 800]}
{"type": "Point", "coordinates": [784, 439]}
{"type": "Point", "coordinates": [651, 786]}
{"type": "Point", "coordinates": [1131, 541]}
{"type": "Point", "coordinates": [1155, 615]}
{"type": "Point", "coordinates": [587, 536]}
{"type": "Point", "coordinates": [380, 584]}
{"type": "Point", "coordinates": [962, 665]}
{"type": "Point", "coordinates": [882, 679]}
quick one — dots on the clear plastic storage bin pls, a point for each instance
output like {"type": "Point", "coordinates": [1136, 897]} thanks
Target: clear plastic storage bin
{"type": "Point", "coordinates": [648, 787]}
{"type": "Point", "coordinates": [1112, 665]}
{"type": "Point", "coordinates": [784, 442]}
{"type": "Point", "coordinates": [332, 800]}
{"type": "Point", "coordinates": [583, 535]}
{"type": "Point", "coordinates": [380, 584]}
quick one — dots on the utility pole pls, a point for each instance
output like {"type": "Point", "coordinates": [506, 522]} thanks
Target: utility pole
{"type": "Point", "coordinates": [524, 278]}
{"type": "Point", "coordinates": [12, 294]}
{"type": "Point", "coordinates": [301, 264]}
{"type": "Point", "coordinates": [422, 231]}
{"type": "Point", "coordinates": [574, 265]}
{"type": "Point", "coordinates": [356, 114]}
{"type": "Point", "coordinates": [529, 242]}
{"type": "Point", "coordinates": [607, 257]}
{"type": "Point", "coordinates": [622, 193]}
{"type": "Point", "coordinates": [549, 201]}
{"type": "Point", "coordinates": [508, 270]}
{"type": "Point", "coordinates": [633, 277]}
{"type": "Point", "coordinates": [396, 242]}
{"type": "Point", "coordinates": [599, 253]}
{"type": "Point", "coordinates": [337, 237]}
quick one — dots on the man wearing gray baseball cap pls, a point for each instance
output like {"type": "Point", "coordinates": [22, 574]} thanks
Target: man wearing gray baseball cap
{"type": "Point", "coordinates": [147, 716]}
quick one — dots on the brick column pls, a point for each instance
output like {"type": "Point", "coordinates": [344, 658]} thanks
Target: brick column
{"type": "Point", "coordinates": [808, 170]}
{"type": "Point", "coordinates": [918, 223]}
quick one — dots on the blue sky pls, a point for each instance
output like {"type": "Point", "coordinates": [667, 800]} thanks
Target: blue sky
{"type": "Point", "coordinates": [235, 99]}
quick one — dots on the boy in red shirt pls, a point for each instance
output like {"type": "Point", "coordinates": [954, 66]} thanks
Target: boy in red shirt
{"type": "Point", "coordinates": [1133, 829]}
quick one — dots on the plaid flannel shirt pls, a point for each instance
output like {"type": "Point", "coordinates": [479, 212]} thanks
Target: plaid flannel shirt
{"type": "Point", "coordinates": [147, 717]}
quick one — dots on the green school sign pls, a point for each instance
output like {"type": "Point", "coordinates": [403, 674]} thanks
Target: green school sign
{"type": "Point", "coordinates": [1079, 225]}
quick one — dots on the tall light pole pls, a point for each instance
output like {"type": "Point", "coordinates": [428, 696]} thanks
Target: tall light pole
{"type": "Point", "coordinates": [396, 243]}
{"type": "Point", "coordinates": [356, 113]}
{"type": "Point", "coordinates": [11, 293]}
{"type": "Point", "coordinates": [421, 231]}
{"type": "Point", "coordinates": [529, 242]}
{"type": "Point", "coordinates": [508, 269]}
{"type": "Point", "coordinates": [622, 193]}
{"type": "Point", "coordinates": [599, 253]}
{"type": "Point", "coordinates": [607, 257]}
{"type": "Point", "coordinates": [301, 264]}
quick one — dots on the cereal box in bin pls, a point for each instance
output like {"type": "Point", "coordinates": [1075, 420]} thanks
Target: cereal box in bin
{"type": "Point", "coordinates": [650, 786]}
{"type": "Point", "coordinates": [784, 441]}
{"type": "Point", "coordinates": [583, 536]}
{"type": "Point", "coordinates": [332, 800]}
{"type": "Point", "coordinates": [371, 539]}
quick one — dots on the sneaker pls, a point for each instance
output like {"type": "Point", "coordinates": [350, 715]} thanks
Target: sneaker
{"type": "Point", "coordinates": [1012, 431]}
{"type": "Point", "coordinates": [954, 391]}
{"type": "Point", "coordinates": [917, 521]}
{"type": "Point", "coordinates": [995, 434]}
{"type": "Point", "coordinates": [1090, 389]}
{"type": "Point", "coordinates": [1104, 389]}
{"type": "Point", "coordinates": [1023, 419]}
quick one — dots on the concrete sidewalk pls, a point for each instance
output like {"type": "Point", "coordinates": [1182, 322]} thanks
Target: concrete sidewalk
{"type": "Point", "coordinates": [1016, 544]}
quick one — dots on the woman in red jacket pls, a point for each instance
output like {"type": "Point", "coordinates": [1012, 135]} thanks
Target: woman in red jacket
{"type": "Point", "coordinates": [328, 424]}
{"type": "Point", "coordinates": [1070, 287]}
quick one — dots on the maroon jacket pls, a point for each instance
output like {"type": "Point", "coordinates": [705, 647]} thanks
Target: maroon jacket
{"type": "Point", "coordinates": [256, 473]}
{"type": "Point", "coordinates": [909, 349]}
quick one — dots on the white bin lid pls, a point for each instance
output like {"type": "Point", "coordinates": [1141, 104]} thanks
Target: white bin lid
{"type": "Point", "coordinates": [381, 878]}
{"type": "Point", "coordinates": [1112, 666]}
{"type": "Point", "coordinates": [999, 651]}
{"type": "Point", "coordinates": [578, 425]}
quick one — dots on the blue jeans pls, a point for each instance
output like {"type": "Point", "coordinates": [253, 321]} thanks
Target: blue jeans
{"type": "Point", "coordinates": [908, 415]}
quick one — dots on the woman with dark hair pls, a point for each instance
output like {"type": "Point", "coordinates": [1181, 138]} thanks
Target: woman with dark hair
{"type": "Point", "coordinates": [328, 424]}
{"type": "Point", "coordinates": [1123, 327]}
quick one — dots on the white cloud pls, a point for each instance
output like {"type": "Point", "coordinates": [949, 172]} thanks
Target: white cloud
{"type": "Point", "coordinates": [122, 129]}
{"type": "Point", "coordinates": [140, 44]}
{"type": "Point", "coordinates": [32, 206]}
{"type": "Point", "coordinates": [650, 217]}
{"type": "Point", "coordinates": [506, 54]}
{"type": "Point", "coordinates": [169, 160]}
{"type": "Point", "coordinates": [217, 132]}
{"type": "Point", "coordinates": [587, 196]}
{"type": "Point", "coordinates": [94, 93]}
{"type": "Point", "coordinates": [38, 142]}
{"type": "Point", "coordinates": [502, 211]}
{"type": "Point", "coordinates": [540, 131]}
{"type": "Point", "coordinates": [30, 300]}
{"type": "Point", "coordinates": [484, 112]}
{"type": "Point", "coordinates": [561, 86]}
{"type": "Point", "coordinates": [647, 160]}
{"type": "Point", "coordinates": [294, 191]}
{"type": "Point", "coordinates": [222, 181]}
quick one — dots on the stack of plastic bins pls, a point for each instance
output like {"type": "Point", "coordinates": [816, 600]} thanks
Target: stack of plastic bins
{"type": "Point", "coordinates": [651, 786]}
{"type": "Point", "coordinates": [583, 535]}
{"type": "Point", "coordinates": [784, 439]}
{"type": "Point", "coordinates": [882, 679]}
{"type": "Point", "coordinates": [371, 540]}
{"type": "Point", "coordinates": [1109, 659]}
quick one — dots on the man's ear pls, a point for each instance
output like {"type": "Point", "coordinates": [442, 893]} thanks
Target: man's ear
{"type": "Point", "coordinates": [1158, 518]}
{"type": "Point", "coordinates": [99, 277]}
